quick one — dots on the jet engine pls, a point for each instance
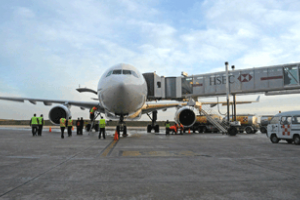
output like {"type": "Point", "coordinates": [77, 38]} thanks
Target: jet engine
{"type": "Point", "coordinates": [57, 112]}
{"type": "Point", "coordinates": [185, 116]}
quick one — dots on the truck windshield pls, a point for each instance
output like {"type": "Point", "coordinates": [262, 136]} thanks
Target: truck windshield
{"type": "Point", "coordinates": [274, 120]}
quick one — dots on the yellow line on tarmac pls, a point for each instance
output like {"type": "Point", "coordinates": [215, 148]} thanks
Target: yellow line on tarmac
{"type": "Point", "coordinates": [107, 150]}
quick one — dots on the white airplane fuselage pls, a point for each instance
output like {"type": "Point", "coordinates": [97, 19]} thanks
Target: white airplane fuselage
{"type": "Point", "coordinates": [122, 90]}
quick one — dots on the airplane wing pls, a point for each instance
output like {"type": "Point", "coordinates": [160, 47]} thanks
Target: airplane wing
{"type": "Point", "coordinates": [151, 106]}
{"type": "Point", "coordinates": [49, 102]}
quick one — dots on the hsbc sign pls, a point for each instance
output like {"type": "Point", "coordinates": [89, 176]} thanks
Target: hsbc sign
{"type": "Point", "coordinates": [220, 80]}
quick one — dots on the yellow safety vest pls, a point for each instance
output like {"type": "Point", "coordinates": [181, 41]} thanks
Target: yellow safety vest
{"type": "Point", "coordinates": [62, 122]}
{"type": "Point", "coordinates": [34, 121]}
{"type": "Point", "coordinates": [102, 123]}
{"type": "Point", "coordinates": [167, 125]}
{"type": "Point", "coordinates": [70, 122]}
{"type": "Point", "coordinates": [41, 120]}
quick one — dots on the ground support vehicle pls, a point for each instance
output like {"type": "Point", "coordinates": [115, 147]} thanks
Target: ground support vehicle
{"type": "Point", "coordinates": [285, 126]}
{"type": "Point", "coordinates": [202, 124]}
{"type": "Point", "coordinates": [264, 121]}
{"type": "Point", "coordinates": [248, 123]}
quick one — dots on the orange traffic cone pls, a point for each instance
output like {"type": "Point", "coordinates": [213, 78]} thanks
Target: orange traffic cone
{"type": "Point", "coordinates": [50, 130]}
{"type": "Point", "coordinates": [189, 131]}
{"type": "Point", "coordinates": [72, 128]}
{"type": "Point", "coordinates": [116, 136]}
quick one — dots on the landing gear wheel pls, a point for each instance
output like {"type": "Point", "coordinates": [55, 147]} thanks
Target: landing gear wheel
{"type": "Point", "coordinates": [296, 139]}
{"type": "Point", "coordinates": [156, 128]}
{"type": "Point", "coordinates": [249, 130]}
{"type": "Point", "coordinates": [88, 127]}
{"type": "Point", "coordinates": [290, 141]}
{"type": "Point", "coordinates": [96, 127]}
{"type": "Point", "coordinates": [149, 128]}
{"type": "Point", "coordinates": [274, 138]}
{"type": "Point", "coordinates": [200, 130]}
{"type": "Point", "coordinates": [118, 131]}
{"type": "Point", "coordinates": [124, 131]}
{"type": "Point", "coordinates": [232, 131]}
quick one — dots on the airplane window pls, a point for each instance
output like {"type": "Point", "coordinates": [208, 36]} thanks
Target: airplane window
{"type": "Point", "coordinates": [118, 71]}
{"type": "Point", "coordinates": [134, 74]}
{"type": "Point", "coordinates": [109, 73]}
{"type": "Point", "coordinates": [126, 72]}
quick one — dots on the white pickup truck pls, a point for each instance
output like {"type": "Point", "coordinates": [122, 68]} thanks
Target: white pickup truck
{"type": "Point", "coordinates": [285, 126]}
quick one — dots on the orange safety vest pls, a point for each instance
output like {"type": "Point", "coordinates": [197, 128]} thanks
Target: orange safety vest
{"type": "Point", "coordinates": [70, 122]}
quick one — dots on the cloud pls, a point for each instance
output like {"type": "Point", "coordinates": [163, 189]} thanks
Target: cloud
{"type": "Point", "coordinates": [50, 47]}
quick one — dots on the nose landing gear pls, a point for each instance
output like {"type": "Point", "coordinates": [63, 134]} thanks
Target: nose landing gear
{"type": "Point", "coordinates": [121, 127]}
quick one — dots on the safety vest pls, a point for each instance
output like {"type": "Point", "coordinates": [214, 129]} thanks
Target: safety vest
{"type": "Point", "coordinates": [102, 123]}
{"type": "Point", "coordinates": [40, 120]}
{"type": "Point", "coordinates": [70, 122]}
{"type": "Point", "coordinates": [62, 122]}
{"type": "Point", "coordinates": [93, 110]}
{"type": "Point", "coordinates": [167, 125]}
{"type": "Point", "coordinates": [34, 121]}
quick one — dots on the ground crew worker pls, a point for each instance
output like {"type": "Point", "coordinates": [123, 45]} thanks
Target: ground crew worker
{"type": "Point", "coordinates": [102, 127]}
{"type": "Point", "coordinates": [34, 122]}
{"type": "Point", "coordinates": [62, 126]}
{"type": "Point", "coordinates": [70, 126]}
{"type": "Point", "coordinates": [41, 123]}
{"type": "Point", "coordinates": [92, 113]}
{"type": "Point", "coordinates": [78, 126]}
{"type": "Point", "coordinates": [167, 124]}
{"type": "Point", "coordinates": [81, 125]}
{"type": "Point", "coordinates": [174, 128]}
{"type": "Point", "coordinates": [181, 128]}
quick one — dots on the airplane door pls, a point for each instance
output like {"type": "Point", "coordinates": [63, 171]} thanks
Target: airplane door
{"type": "Point", "coordinates": [295, 127]}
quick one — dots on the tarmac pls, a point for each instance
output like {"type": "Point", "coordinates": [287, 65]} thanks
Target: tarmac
{"type": "Point", "coordinates": [146, 166]}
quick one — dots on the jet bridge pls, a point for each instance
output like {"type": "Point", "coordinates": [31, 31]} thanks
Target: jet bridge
{"type": "Point", "coordinates": [271, 80]}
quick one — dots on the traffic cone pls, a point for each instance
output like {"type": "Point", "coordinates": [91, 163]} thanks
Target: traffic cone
{"type": "Point", "coordinates": [189, 131]}
{"type": "Point", "coordinates": [72, 128]}
{"type": "Point", "coordinates": [50, 130]}
{"type": "Point", "coordinates": [116, 136]}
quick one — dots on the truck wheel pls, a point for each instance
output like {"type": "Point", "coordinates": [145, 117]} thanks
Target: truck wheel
{"type": "Point", "coordinates": [290, 141]}
{"type": "Point", "coordinates": [249, 130]}
{"type": "Point", "coordinates": [296, 139]}
{"type": "Point", "coordinates": [232, 131]}
{"type": "Point", "coordinates": [274, 138]}
{"type": "Point", "coordinates": [263, 130]}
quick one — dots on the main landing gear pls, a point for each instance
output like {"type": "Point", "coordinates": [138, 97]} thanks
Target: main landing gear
{"type": "Point", "coordinates": [153, 125]}
{"type": "Point", "coordinates": [121, 127]}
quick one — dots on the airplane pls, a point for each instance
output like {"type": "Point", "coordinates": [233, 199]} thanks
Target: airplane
{"type": "Point", "coordinates": [122, 95]}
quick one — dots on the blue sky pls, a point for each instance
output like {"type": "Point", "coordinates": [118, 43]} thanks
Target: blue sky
{"type": "Point", "coordinates": [48, 48]}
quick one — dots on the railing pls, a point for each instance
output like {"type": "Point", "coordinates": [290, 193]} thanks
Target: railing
{"type": "Point", "coordinates": [222, 127]}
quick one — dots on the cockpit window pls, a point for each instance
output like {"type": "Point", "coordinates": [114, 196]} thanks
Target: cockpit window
{"type": "Point", "coordinates": [109, 73]}
{"type": "Point", "coordinates": [118, 71]}
{"type": "Point", "coordinates": [126, 72]}
{"type": "Point", "coordinates": [134, 74]}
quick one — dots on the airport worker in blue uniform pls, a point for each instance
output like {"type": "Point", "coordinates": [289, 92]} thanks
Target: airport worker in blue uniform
{"type": "Point", "coordinates": [70, 126]}
{"type": "Point", "coordinates": [34, 122]}
{"type": "Point", "coordinates": [62, 126]}
{"type": "Point", "coordinates": [102, 124]}
{"type": "Point", "coordinates": [41, 123]}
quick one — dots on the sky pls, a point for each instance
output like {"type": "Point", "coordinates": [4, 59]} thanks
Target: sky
{"type": "Point", "coordinates": [48, 48]}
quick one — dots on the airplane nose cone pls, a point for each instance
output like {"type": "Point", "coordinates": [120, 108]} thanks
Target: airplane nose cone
{"type": "Point", "coordinates": [125, 98]}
